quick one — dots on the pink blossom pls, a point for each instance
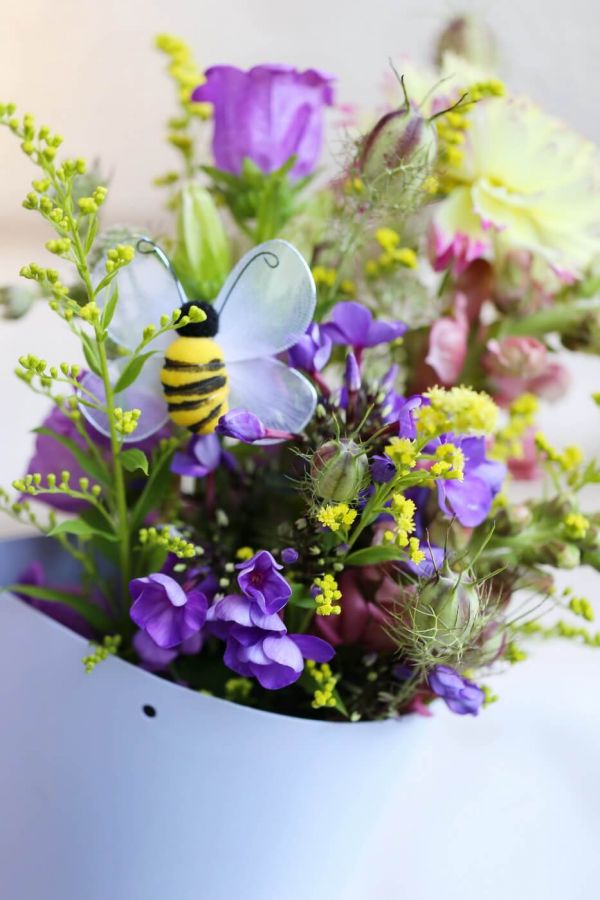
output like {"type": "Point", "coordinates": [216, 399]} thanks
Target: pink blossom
{"type": "Point", "coordinates": [448, 343]}
{"type": "Point", "coordinates": [521, 357]}
{"type": "Point", "coordinates": [456, 250]}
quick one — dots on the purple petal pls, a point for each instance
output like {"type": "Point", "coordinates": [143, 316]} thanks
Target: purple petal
{"type": "Point", "coordinates": [314, 648]}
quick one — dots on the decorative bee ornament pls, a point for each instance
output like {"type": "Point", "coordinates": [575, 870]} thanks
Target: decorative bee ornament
{"type": "Point", "coordinates": [227, 361]}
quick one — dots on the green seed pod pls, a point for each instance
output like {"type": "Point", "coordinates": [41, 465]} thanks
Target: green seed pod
{"type": "Point", "coordinates": [446, 612]}
{"type": "Point", "coordinates": [339, 470]}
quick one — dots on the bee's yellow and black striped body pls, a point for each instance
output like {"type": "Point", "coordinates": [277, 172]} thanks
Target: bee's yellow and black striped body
{"type": "Point", "coordinates": [195, 381]}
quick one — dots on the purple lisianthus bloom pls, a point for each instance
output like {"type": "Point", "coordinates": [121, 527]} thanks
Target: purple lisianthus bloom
{"type": "Point", "coordinates": [35, 576]}
{"type": "Point", "coordinates": [155, 658]}
{"type": "Point", "coordinates": [267, 114]}
{"type": "Point", "coordinates": [275, 660]}
{"type": "Point", "coordinates": [165, 610]}
{"type": "Point", "coordinates": [353, 324]}
{"type": "Point", "coordinates": [459, 694]}
{"type": "Point", "coordinates": [312, 351]}
{"type": "Point", "coordinates": [470, 500]}
{"type": "Point", "coordinates": [259, 579]}
{"type": "Point", "coordinates": [382, 469]}
{"type": "Point", "coordinates": [52, 457]}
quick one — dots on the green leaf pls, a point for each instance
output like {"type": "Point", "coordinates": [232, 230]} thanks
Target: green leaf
{"type": "Point", "coordinates": [133, 459]}
{"type": "Point", "coordinates": [369, 556]}
{"type": "Point", "coordinates": [91, 353]}
{"type": "Point", "coordinates": [81, 529]}
{"type": "Point", "coordinates": [131, 371]}
{"type": "Point", "coordinates": [87, 462]}
{"type": "Point", "coordinates": [92, 614]}
{"type": "Point", "coordinates": [154, 491]}
{"type": "Point", "coordinates": [109, 310]}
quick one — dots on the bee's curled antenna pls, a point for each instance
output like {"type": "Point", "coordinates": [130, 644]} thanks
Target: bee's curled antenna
{"type": "Point", "coordinates": [146, 246]}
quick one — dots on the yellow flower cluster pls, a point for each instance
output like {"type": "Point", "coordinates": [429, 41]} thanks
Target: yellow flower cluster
{"type": "Point", "coordinates": [184, 72]}
{"type": "Point", "coordinates": [329, 594]}
{"type": "Point", "coordinates": [403, 511]}
{"type": "Point", "coordinates": [244, 553]}
{"type": "Point", "coordinates": [326, 277]}
{"type": "Point", "coordinates": [450, 464]}
{"type": "Point", "coordinates": [451, 126]}
{"type": "Point", "coordinates": [576, 526]}
{"type": "Point", "coordinates": [459, 409]}
{"type": "Point", "coordinates": [392, 255]}
{"type": "Point", "coordinates": [326, 681]}
{"type": "Point", "coordinates": [126, 421]}
{"type": "Point", "coordinates": [174, 543]}
{"type": "Point", "coordinates": [509, 439]}
{"type": "Point", "coordinates": [336, 516]}
{"type": "Point", "coordinates": [403, 453]}
{"type": "Point", "coordinates": [568, 459]}
{"type": "Point", "coordinates": [582, 607]}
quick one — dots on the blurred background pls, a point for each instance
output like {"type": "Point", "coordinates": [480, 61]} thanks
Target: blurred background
{"type": "Point", "coordinates": [90, 71]}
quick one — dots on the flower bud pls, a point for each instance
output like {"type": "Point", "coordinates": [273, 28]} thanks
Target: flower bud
{"type": "Point", "coordinates": [446, 612]}
{"type": "Point", "coordinates": [561, 554]}
{"type": "Point", "coordinates": [467, 37]}
{"type": "Point", "coordinates": [339, 470]}
{"type": "Point", "coordinates": [202, 258]}
{"type": "Point", "coordinates": [399, 138]}
{"type": "Point", "coordinates": [521, 357]}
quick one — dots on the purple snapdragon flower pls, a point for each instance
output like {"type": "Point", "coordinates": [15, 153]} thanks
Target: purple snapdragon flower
{"type": "Point", "coordinates": [470, 500]}
{"type": "Point", "coordinates": [312, 351]}
{"type": "Point", "coordinates": [260, 581]}
{"type": "Point", "coordinates": [267, 115]}
{"type": "Point", "coordinates": [165, 610]}
{"type": "Point", "coordinates": [275, 660]}
{"type": "Point", "coordinates": [460, 695]}
{"type": "Point", "coordinates": [202, 455]}
{"type": "Point", "coordinates": [353, 324]}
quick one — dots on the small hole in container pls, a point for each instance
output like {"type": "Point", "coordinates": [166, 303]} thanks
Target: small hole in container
{"type": "Point", "coordinates": [149, 710]}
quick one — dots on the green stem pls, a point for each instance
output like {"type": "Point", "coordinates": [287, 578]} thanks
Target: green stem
{"type": "Point", "coordinates": [122, 516]}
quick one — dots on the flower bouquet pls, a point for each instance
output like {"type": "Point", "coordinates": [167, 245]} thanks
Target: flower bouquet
{"type": "Point", "coordinates": [280, 474]}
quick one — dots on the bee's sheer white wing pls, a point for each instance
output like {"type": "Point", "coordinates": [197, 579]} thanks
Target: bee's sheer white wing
{"type": "Point", "coordinates": [266, 303]}
{"type": "Point", "coordinates": [147, 291]}
{"type": "Point", "coordinates": [145, 394]}
{"type": "Point", "coordinates": [281, 397]}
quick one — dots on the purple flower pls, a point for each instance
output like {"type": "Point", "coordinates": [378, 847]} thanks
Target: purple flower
{"type": "Point", "coordinates": [259, 579]}
{"type": "Point", "coordinates": [470, 500]}
{"type": "Point", "coordinates": [268, 114]}
{"type": "Point", "coordinates": [312, 351]}
{"type": "Point", "coordinates": [155, 658]}
{"type": "Point", "coordinates": [382, 469]}
{"type": "Point", "coordinates": [461, 696]}
{"type": "Point", "coordinates": [289, 555]}
{"type": "Point", "coordinates": [35, 576]}
{"type": "Point", "coordinates": [275, 660]}
{"type": "Point", "coordinates": [201, 456]}
{"type": "Point", "coordinates": [241, 425]}
{"type": "Point", "coordinates": [353, 324]}
{"type": "Point", "coordinates": [52, 457]}
{"type": "Point", "coordinates": [352, 379]}
{"type": "Point", "coordinates": [235, 610]}
{"type": "Point", "coordinates": [169, 614]}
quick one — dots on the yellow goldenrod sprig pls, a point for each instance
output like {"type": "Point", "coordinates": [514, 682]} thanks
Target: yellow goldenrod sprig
{"type": "Point", "coordinates": [328, 596]}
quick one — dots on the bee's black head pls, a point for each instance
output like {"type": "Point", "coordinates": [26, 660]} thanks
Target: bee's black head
{"type": "Point", "coordinates": [208, 328]}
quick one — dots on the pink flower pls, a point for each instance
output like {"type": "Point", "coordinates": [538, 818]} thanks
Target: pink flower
{"type": "Point", "coordinates": [456, 250]}
{"type": "Point", "coordinates": [448, 343]}
{"type": "Point", "coordinates": [368, 597]}
{"type": "Point", "coordinates": [520, 357]}
{"type": "Point", "coordinates": [526, 467]}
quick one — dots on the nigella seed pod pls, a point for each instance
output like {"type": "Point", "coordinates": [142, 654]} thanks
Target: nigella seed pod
{"type": "Point", "coordinates": [399, 138]}
{"type": "Point", "coordinates": [338, 471]}
{"type": "Point", "coordinates": [446, 612]}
